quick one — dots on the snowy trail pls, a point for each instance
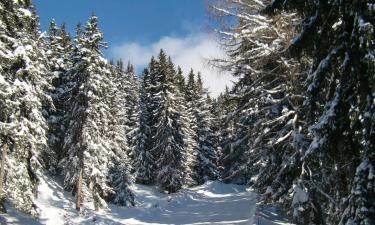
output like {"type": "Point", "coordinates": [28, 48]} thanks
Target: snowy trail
{"type": "Point", "coordinates": [211, 203]}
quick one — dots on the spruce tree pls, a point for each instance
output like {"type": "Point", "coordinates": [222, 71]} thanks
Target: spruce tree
{"type": "Point", "coordinates": [180, 80]}
{"type": "Point", "coordinates": [146, 157]}
{"type": "Point", "coordinates": [144, 160]}
{"type": "Point", "coordinates": [320, 133]}
{"type": "Point", "coordinates": [339, 38]}
{"type": "Point", "coordinates": [202, 154]}
{"type": "Point", "coordinates": [189, 158]}
{"type": "Point", "coordinates": [24, 82]}
{"type": "Point", "coordinates": [89, 152]}
{"type": "Point", "coordinates": [207, 153]}
{"type": "Point", "coordinates": [169, 136]}
{"type": "Point", "coordinates": [59, 58]}
{"type": "Point", "coordinates": [228, 162]}
{"type": "Point", "coordinates": [120, 166]}
{"type": "Point", "coordinates": [132, 106]}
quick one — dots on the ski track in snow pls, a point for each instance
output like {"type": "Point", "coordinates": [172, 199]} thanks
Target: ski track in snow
{"type": "Point", "coordinates": [211, 203]}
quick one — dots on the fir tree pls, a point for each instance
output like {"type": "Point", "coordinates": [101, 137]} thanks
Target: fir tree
{"type": "Point", "coordinates": [228, 162]}
{"type": "Point", "coordinates": [338, 36]}
{"type": "Point", "coordinates": [120, 166]}
{"type": "Point", "coordinates": [24, 81]}
{"type": "Point", "coordinates": [317, 133]}
{"type": "Point", "coordinates": [59, 53]}
{"type": "Point", "coordinates": [202, 157]}
{"type": "Point", "coordinates": [89, 152]}
{"type": "Point", "coordinates": [144, 157]}
{"type": "Point", "coordinates": [205, 136]}
{"type": "Point", "coordinates": [180, 80]}
{"type": "Point", "coordinates": [169, 136]}
{"type": "Point", "coordinates": [132, 106]}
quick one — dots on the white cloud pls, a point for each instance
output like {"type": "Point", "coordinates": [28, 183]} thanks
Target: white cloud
{"type": "Point", "coordinates": [188, 52]}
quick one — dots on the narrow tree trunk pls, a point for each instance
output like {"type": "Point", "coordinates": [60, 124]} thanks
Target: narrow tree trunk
{"type": "Point", "coordinates": [79, 190]}
{"type": "Point", "coordinates": [2, 173]}
{"type": "Point", "coordinates": [96, 200]}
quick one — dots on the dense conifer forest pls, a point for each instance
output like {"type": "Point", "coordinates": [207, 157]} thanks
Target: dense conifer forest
{"type": "Point", "coordinates": [298, 126]}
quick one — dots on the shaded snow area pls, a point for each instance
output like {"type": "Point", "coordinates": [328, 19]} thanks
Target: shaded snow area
{"type": "Point", "coordinates": [211, 203]}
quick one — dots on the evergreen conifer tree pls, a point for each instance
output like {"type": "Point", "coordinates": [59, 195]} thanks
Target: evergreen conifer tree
{"type": "Point", "coordinates": [338, 36]}
{"type": "Point", "coordinates": [120, 166]}
{"type": "Point", "coordinates": [144, 160]}
{"type": "Point", "coordinates": [24, 84]}
{"type": "Point", "coordinates": [59, 57]}
{"type": "Point", "coordinates": [132, 106]}
{"type": "Point", "coordinates": [202, 154]}
{"type": "Point", "coordinates": [90, 149]}
{"type": "Point", "coordinates": [207, 153]}
{"type": "Point", "coordinates": [317, 132]}
{"type": "Point", "coordinates": [169, 135]}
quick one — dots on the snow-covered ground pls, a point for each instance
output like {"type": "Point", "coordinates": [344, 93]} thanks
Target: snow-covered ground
{"type": "Point", "coordinates": [211, 203]}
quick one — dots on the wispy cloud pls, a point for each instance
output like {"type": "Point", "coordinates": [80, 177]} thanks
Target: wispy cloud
{"type": "Point", "coordinates": [192, 51]}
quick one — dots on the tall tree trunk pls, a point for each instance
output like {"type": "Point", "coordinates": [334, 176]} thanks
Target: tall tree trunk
{"type": "Point", "coordinates": [79, 190]}
{"type": "Point", "coordinates": [2, 173]}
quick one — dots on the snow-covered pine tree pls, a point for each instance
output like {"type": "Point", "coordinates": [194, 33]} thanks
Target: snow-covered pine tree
{"type": "Point", "coordinates": [59, 56]}
{"type": "Point", "coordinates": [66, 47]}
{"type": "Point", "coordinates": [153, 105]}
{"type": "Point", "coordinates": [89, 152]}
{"type": "Point", "coordinates": [180, 80]}
{"type": "Point", "coordinates": [24, 80]}
{"type": "Point", "coordinates": [120, 166]}
{"type": "Point", "coordinates": [191, 177]}
{"type": "Point", "coordinates": [207, 153]}
{"type": "Point", "coordinates": [202, 155]}
{"type": "Point", "coordinates": [169, 136]}
{"type": "Point", "coordinates": [266, 147]}
{"type": "Point", "coordinates": [339, 106]}
{"type": "Point", "coordinates": [120, 104]}
{"type": "Point", "coordinates": [332, 107]}
{"type": "Point", "coordinates": [227, 161]}
{"type": "Point", "coordinates": [359, 208]}
{"type": "Point", "coordinates": [253, 104]}
{"type": "Point", "coordinates": [53, 44]}
{"type": "Point", "coordinates": [121, 181]}
{"type": "Point", "coordinates": [144, 157]}
{"type": "Point", "coordinates": [189, 157]}
{"type": "Point", "coordinates": [132, 106]}
{"type": "Point", "coordinates": [215, 127]}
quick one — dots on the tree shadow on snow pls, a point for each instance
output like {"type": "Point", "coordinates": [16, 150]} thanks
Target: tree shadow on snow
{"type": "Point", "coordinates": [270, 215]}
{"type": "Point", "coordinates": [193, 208]}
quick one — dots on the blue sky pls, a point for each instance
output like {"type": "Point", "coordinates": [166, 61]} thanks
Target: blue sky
{"type": "Point", "coordinates": [137, 29]}
{"type": "Point", "coordinates": [128, 20]}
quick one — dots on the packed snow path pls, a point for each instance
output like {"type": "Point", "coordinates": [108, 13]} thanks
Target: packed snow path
{"type": "Point", "coordinates": [211, 203]}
